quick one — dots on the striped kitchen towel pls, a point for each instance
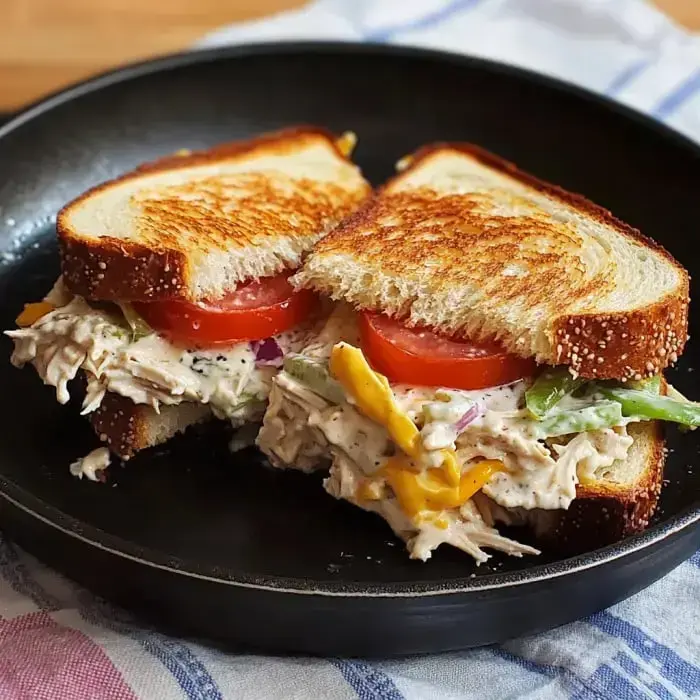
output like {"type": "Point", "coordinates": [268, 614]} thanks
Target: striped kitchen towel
{"type": "Point", "coordinates": [58, 642]}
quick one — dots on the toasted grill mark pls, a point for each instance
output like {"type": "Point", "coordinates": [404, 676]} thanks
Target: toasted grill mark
{"type": "Point", "coordinates": [237, 210]}
{"type": "Point", "coordinates": [572, 199]}
{"type": "Point", "coordinates": [527, 257]}
{"type": "Point", "coordinates": [160, 261]}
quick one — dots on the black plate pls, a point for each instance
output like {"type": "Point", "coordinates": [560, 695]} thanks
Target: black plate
{"type": "Point", "coordinates": [221, 546]}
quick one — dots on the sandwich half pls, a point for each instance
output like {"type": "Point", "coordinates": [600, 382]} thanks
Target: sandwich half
{"type": "Point", "coordinates": [495, 359]}
{"type": "Point", "coordinates": [174, 304]}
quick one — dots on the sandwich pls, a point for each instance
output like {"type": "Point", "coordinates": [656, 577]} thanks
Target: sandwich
{"type": "Point", "coordinates": [174, 304]}
{"type": "Point", "coordinates": [495, 362]}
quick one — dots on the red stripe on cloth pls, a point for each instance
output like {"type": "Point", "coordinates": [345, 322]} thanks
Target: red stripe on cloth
{"type": "Point", "coordinates": [42, 660]}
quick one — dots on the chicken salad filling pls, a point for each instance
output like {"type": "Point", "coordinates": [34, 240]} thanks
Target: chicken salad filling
{"type": "Point", "coordinates": [119, 353]}
{"type": "Point", "coordinates": [440, 465]}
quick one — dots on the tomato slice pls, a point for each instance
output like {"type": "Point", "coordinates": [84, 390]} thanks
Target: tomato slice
{"type": "Point", "coordinates": [253, 311]}
{"type": "Point", "coordinates": [422, 357]}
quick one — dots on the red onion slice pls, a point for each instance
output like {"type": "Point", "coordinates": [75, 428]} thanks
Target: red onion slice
{"type": "Point", "coordinates": [267, 352]}
{"type": "Point", "coordinates": [467, 418]}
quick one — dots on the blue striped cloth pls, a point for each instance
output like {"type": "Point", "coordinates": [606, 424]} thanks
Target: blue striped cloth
{"type": "Point", "coordinates": [57, 641]}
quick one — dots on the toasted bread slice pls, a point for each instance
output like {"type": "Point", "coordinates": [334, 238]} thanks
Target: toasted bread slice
{"type": "Point", "coordinates": [623, 499]}
{"type": "Point", "coordinates": [619, 503]}
{"type": "Point", "coordinates": [127, 428]}
{"type": "Point", "coordinates": [464, 242]}
{"type": "Point", "coordinates": [193, 226]}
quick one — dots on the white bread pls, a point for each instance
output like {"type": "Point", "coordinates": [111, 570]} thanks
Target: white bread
{"type": "Point", "coordinates": [464, 242]}
{"type": "Point", "coordinates": [193, 226]}
{"type": "Point", "coordinates": [127, 428]}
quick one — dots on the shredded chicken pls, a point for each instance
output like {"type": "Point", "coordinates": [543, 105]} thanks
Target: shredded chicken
{"type": "Point", "coordinates": [148, 370]}
{"type": "Point", "coordinates": [97, 461]}
{"type": "Point", "coordinates": [286, 434]}
{"type": "Point", "coordinates": [301, 427]}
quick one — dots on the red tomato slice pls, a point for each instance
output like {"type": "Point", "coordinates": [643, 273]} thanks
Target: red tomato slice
{"type": "Point", "coordinates": [420, 356]}
{"type": "Point", "coordinates": [254, 311]}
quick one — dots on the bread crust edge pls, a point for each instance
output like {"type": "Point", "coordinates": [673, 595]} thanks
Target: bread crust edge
{"type": "Point", "coordinates": [123, 425]}
{"type": "Point", "coordinates": [112, 268]}
{"type": "Point", "coordinates": [600, 516]}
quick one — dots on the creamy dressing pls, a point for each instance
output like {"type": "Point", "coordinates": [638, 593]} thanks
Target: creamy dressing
{"type": "Point", "coordinates": [439, 435]}
{"type": "Point", "coordinates": [148, 370]}
{"type": "Point", "coordinates": [508, 397]}
{"type": "Point", "coordinates": [609, 444]}
{"type": "Point", "coordinates": [552, 485]}
{"type": "Point", "coordinates": [286, 435]}
{"type": "Point", "coordinates": [535, 476]}
{"type": "Point", "coordinates": [465, 529]}
{"type": "Point", "coordinates": [97, 461]}
{"type": "Point", "coordinates": [365, 443]}
{"type": "Point", "coordinates": [301, 428]}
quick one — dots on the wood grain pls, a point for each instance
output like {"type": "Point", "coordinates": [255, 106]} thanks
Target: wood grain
{"type": "Point", "coordinates": [685, 12]}
{"type": "Point", "coordinates": [46, 44]}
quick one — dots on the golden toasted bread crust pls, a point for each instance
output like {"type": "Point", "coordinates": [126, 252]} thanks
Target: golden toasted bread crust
{"type": "Point", "coordinates": [120, 423]}
{"type": "Point", "coordinates": [114, 269]}
{"type": "Point", "coordinates": [409, 226]}
{"type": "Point", "coordinates": [127, 428]}
{"type": "Point", "coordinates": [158, 265]}
{"type": "Point", "coordinates": [290, 136]}
{"type": "Point", "coordinates": [624, 346]}
{"type": "Point", "coordinates": [610, 346]}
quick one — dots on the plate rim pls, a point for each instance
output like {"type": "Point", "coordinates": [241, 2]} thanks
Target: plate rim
{"type": "Point", "coordinates": [685, 521]}
{"type": "Point", "coordinates": [135, 69]}
{"type": "Point", "coordinates": [49, 515]}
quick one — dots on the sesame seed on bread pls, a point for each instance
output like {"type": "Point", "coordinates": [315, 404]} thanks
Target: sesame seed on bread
{"type": "Point", "coordinates": [463, 242]}
{"type": "Point", "coordinates": [127, 428]}
{"type": "Point", "coordinates": [193, 226]}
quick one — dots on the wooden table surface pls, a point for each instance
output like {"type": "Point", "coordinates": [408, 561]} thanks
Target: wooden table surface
{"type": "Point", "coordinates": [45, 44]}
